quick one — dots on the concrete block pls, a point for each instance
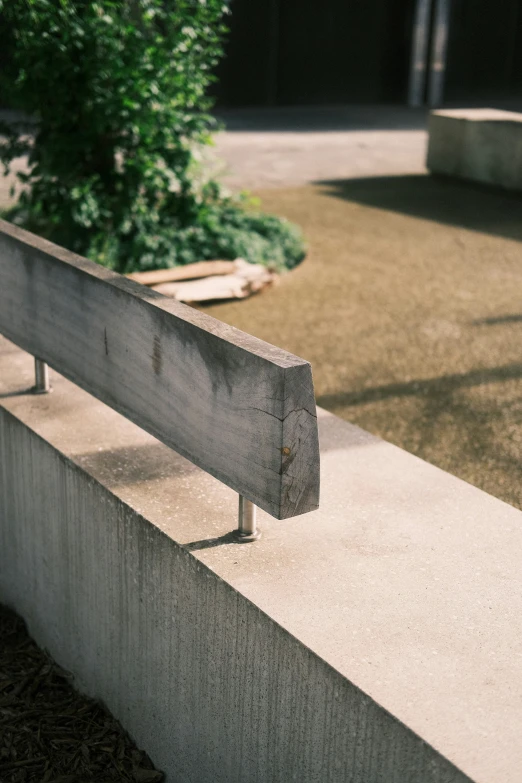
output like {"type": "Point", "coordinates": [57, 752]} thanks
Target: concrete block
{"type": "Point", "coordinates": [376, 640]}
{"type": "Point", "coordinates": [484, 145]}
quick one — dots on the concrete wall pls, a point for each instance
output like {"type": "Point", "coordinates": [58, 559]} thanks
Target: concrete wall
{"type": "Point", "coordinates": [375, 640]}
{"type": "Point", "coordinates": [206, 682]}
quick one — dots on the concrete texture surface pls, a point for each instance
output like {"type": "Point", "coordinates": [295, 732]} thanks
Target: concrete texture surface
{"type": "Point", "coordinates": [294, 146]}
{"type": "Point", "coordinates": [484, 145]}
{"type": "Point", "coordinates": [320, 653]}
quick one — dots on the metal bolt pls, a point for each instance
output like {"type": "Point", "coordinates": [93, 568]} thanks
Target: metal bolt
{"type": "Point", "coordinates": [41, 374]}
{"type": "Point", "coordinates": [247, 530]}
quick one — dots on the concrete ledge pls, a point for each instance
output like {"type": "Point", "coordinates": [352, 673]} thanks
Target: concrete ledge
{"type": "Point", "coordinates": [484, 145]}
{"type": "Point", "coordinates": [376, 639]}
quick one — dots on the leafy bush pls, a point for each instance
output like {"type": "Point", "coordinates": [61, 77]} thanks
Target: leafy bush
{"type": "Point", "coordinates": [118, 92]}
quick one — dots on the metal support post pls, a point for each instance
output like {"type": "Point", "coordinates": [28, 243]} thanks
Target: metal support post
{"type": "Point", "coordinates": [247, 530]}
{"type": "Point", "coordinates": [41, 375]}
{"type": "Point", "coordinates": [419, 53]}
{"type": "Point", "coordinates": [439, 49]}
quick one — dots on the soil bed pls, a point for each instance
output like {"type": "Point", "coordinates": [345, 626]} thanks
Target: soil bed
{"type": "Point", "coordinates": [50, 733]}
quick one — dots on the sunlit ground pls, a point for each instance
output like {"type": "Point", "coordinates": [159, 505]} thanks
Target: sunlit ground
{"type": "Point", "coordinates": [409, 307]}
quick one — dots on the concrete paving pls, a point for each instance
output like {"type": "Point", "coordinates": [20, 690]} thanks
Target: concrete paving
{"type": "Point", "coordinates": [278, 147]}
{"type": "Point", "coordinates": [287, 146]}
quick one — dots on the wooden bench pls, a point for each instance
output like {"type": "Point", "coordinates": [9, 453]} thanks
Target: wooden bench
{"type": "Point", "coordinates": [239, 408]}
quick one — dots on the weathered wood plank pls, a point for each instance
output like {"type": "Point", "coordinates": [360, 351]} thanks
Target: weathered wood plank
{"type": "Point", "coordinates": [187, 272]}
{"type": "Point", "coordinates": [246, 279]}
{"type": "Point", "coordinates": [234, 405]}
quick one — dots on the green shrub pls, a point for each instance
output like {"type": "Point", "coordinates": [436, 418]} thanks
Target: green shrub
{"type": "Point", "coordinates": [118, 92]}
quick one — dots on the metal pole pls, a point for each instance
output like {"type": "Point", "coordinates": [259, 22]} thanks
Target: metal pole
{"type": "Point", "coordinates": [247, 530]}
{"type": "Point", "coordinates": [419, 53]}
{"type": "Point", "coordinates": [41, 374]}
{"type": "Point", "coordinates": [439, 49]}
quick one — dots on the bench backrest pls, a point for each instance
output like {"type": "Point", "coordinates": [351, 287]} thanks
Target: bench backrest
{"type": "Point", "coordinates": [239, 408]}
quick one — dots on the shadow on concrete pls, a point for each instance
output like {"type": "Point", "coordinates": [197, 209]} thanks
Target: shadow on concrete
{"type": "Point", "coordinates": [306, 119]}
{"type": "Point", "coordinates": [20, 393]}
{"type": "Point", "coordinates": [135, 464]}
{"type": "Point", "coordinates": [441, 199]}
{"type": "Point", "coordinates": [430, 387]}
{"type": "Point", "coordinates": [211, 543]}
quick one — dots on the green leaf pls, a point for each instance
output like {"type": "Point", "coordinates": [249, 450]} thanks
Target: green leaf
{"type": "Point", "coordinates": [119, 95]}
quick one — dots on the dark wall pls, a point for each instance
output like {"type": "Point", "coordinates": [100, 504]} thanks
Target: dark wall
{"type": "Point", "coordinates": [484, 49]}
{"type": "Point", "coordinates": [246, 73]}
{"type": "Point", "coordinates": [340, 51]}
{"type": "Point", "coordinates": [348, 51]}
{"type": "Point", "coordinates": [316, 51]}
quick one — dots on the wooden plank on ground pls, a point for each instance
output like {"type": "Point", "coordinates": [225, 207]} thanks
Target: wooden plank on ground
{"type": "Point", "coordinates": [236, 406]}
{"type": "Point", "coordinates": [247, 279]}
{"type": "Point", "coordinates": [187, 272]}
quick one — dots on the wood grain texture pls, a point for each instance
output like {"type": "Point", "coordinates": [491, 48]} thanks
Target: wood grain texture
{"type": "Point", "coordinates": [234, 405]}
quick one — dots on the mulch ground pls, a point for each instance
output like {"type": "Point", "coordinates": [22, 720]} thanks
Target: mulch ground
{"type": "Point", "coordinates": [49, 733]}
{"type": "Point", "coordinates": [409, 307]}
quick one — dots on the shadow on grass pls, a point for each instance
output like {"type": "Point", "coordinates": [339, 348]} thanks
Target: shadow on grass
{"type": "Point", "coordinates": [422, 388]}
{"type": "Point", "coordinates": [477, 437]}
{"type": "Point", "coordinates": [510, 318]}
{"type": "Point", "coordinates": [441, 199]}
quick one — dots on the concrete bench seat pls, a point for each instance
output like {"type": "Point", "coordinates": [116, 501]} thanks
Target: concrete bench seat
{"type": "Point", "coordinates": [376, 640]}
{"type": "Point", "coordinates": [484, 145]}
